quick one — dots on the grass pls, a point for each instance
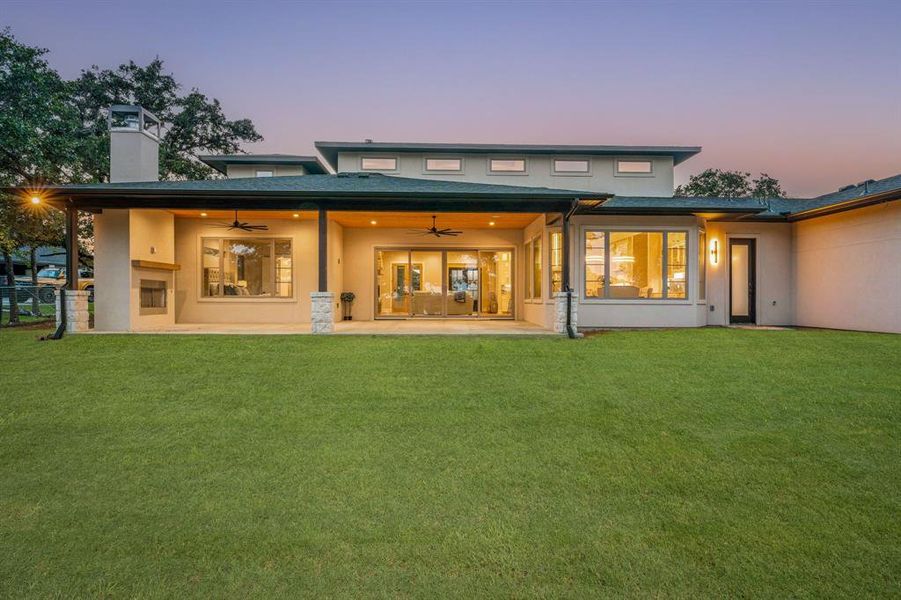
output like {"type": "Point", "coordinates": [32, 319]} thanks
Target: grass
{"type": "Point", "coordinates": [663, 463]}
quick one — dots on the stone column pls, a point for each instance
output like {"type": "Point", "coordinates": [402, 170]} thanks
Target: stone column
{"type": "Point", "coordinates": [77, 316]}
{"type": "Point", "coordinates": [322, 319]}
{"type": "Point", "coordinates": [560, 312]}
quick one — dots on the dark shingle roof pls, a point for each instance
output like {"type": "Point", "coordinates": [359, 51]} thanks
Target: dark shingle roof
{"type": "Point", "coordinates": [330, 150]}
{"type": "Point", "coordinates": [671, 205]}
{"type": "Point", "coordinates": [342, 184]}
{"type": "Point", "coordinates": [220, 162]}
{"type": "Point", "coordinates": [865, 188]}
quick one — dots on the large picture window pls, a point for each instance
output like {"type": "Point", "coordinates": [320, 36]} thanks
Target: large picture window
{"type": "Point", "coordinates": [595, 261]}
{"type": "Point", "coordinates": [636, 264]}
{"type": "Point", "coordinates": [246, 268]}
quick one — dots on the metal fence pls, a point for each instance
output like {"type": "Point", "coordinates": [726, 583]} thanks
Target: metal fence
{"type": "Point", "coordinates": [36, 303]}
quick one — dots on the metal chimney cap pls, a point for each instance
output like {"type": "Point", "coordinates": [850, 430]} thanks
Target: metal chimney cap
{"type": "Point", "coordinates": [133, 118]}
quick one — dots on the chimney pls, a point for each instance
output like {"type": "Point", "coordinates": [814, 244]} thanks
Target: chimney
{"type": "Point", "coordinates": [134, 144]}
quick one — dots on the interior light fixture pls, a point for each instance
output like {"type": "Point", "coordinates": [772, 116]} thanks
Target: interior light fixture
{"type": "Point", "coordinates": [202, 214]}
{"type": "Point", "coordinates": [373, 222]}
{"type": "Point", "coordinates": [491, 223]}
{"type": "Point", "coordinates": [296, 215]}
{"type": "Point", "coordinates": [714, 251]}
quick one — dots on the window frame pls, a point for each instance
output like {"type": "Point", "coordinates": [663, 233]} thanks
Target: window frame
{"type": "Point", "coordinates": [606, 299]}
{"type": "Point", "coordinates": [529, 262]}
{"type": "Point", "coordinates": [427, 170]}
{"type": "Point", "coordinates": [585, 173]}
{"type": "Point", "coordinates": [393, 157]}
{"type": "Point", "coordinates": [621, 159]}
{"type": "Point", "coordinates": [525, 165]}
{"type": "Point", "coordinates": [256, 299]}
{"type": "Point", "coordinates": [551, 233]}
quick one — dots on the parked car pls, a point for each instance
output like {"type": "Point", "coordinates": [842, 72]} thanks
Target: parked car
{"type": "Point", "coordinates": [52, 278]}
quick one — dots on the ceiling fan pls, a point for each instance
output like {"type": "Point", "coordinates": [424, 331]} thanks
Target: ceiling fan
{"type": "Point", "coordinates": [433, 230]}
{"type": "Point", "coordinates": [242, 226]}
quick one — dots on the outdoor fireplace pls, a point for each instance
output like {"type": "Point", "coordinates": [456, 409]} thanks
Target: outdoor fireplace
{"type": "Point", "coordinates": [153, 297]}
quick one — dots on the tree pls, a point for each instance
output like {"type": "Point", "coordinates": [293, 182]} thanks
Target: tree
{"type": "Point", "coordinates": [193, 124]}
{"type": "Point", "coordinates": [38, 126]}
{"type": "Point", "coordinates": [767, 187]}
{"type": "Point", "coordinates": [38, 142]}
{"type": "Point", "coordinates": [730, 184]}
{"type": "Point", "coordinates": [9, 225]}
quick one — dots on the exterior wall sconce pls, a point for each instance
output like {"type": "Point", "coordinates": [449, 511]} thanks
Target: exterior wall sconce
{"type": "Point", "coordinates": [35, 199]}
{"type": "Point", "coordinates": [714, 251]}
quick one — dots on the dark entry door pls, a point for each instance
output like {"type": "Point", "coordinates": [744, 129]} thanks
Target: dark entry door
{"type": "Point", "coordinates": [742, 281]}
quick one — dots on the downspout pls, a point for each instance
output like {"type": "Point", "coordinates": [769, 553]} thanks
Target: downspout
{"type": "Point", "coordinates": [570, 331]}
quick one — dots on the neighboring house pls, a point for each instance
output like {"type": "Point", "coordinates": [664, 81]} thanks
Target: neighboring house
{"type": "Point", "coordinates": [534, 222]}
{"type": "Point", "coordinates": [47, 256]}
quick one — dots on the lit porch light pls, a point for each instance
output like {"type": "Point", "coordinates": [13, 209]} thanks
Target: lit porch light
{"type": "Point", "coordinates": [491, 223]}
{"type": "Point", "coordinates": [714, 251]}
{"type": "Point", "coordinates": [373, 222]}
{"type": "Point", "coordinates": [296, 215]}
{"type": "Point", "coordinates": [203, 214]}
{"type": "Point", "coordinates": [35, 200]}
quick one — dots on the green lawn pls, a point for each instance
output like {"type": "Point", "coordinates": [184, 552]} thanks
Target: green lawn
{"type": "Point", "coordinates": [662, 463]}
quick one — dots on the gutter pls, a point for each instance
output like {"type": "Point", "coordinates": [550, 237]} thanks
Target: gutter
{"type": "Point", "coordinates": [847, 205]}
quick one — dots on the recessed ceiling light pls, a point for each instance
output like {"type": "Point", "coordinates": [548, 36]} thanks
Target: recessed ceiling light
{"type": "Point", "coordinates": [296, 215]}
{"type": "Point", "coordinates": [491, 223]}
{"type": "Point", "coordinates": [373, 222]}
{"type": "Point", "coordinates": [202, 214]}
{"type": "Point", "coordinates": [495, 216]}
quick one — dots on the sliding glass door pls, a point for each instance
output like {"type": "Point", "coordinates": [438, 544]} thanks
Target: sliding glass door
{"type": "Point", "coordinates": [496, 283]}
{"type": "Point", "coordinates": [444, 283]}
{"type": "Point", "coordinates": [427, 294]}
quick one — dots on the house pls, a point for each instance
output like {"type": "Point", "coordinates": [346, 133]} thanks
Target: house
{"type": "Point", "coordinates": [563, 236]}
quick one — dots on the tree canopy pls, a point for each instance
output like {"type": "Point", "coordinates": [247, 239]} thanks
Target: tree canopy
{"type": "Point", "coordinates": [730, 184]}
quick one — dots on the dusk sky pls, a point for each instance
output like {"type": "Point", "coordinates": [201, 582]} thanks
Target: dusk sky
{"type": "Point", "coordinates": [808, 92]}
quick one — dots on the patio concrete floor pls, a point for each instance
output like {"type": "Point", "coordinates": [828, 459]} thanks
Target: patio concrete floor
{"type": "Point", "coordinates": [382, 327]}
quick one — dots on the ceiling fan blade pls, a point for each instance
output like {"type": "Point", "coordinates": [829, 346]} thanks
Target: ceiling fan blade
{"type": "Point", "coordinates": [255, 227]}
{"type": "Point", "coordinates": [449, 231]}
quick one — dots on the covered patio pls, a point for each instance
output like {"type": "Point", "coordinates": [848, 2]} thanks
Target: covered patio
{"type": "Point", "coordinates": [169, 258]}
{"type": "Point", "coordinates": [383, 327]}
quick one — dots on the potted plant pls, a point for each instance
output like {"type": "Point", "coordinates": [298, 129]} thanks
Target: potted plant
{"type": "Point", "coordinates": [347, 299]}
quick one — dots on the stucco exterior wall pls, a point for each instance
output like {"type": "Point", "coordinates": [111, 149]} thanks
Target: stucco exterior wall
{"type": "Point", "coordinates": [359, 258]}
{"type": "Point", "coordinates": [848, 270]}
{"type": "Point", "coordinates": [112, 271]}
{"type": "Point", "coordinates": [120, 237]}
{"type": "Point", "coordinates": [191, 308]}
{"type": "Point", "coordinates": [151, 237]}
{"type": "Point", "coordinates": [639, 312]}
{"type": "Point", "coordinates": [239, 171]}
{"type": "Point", "coordinates": [538, 173]}
{"type": "Point", "coordinates": [775, 295]}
